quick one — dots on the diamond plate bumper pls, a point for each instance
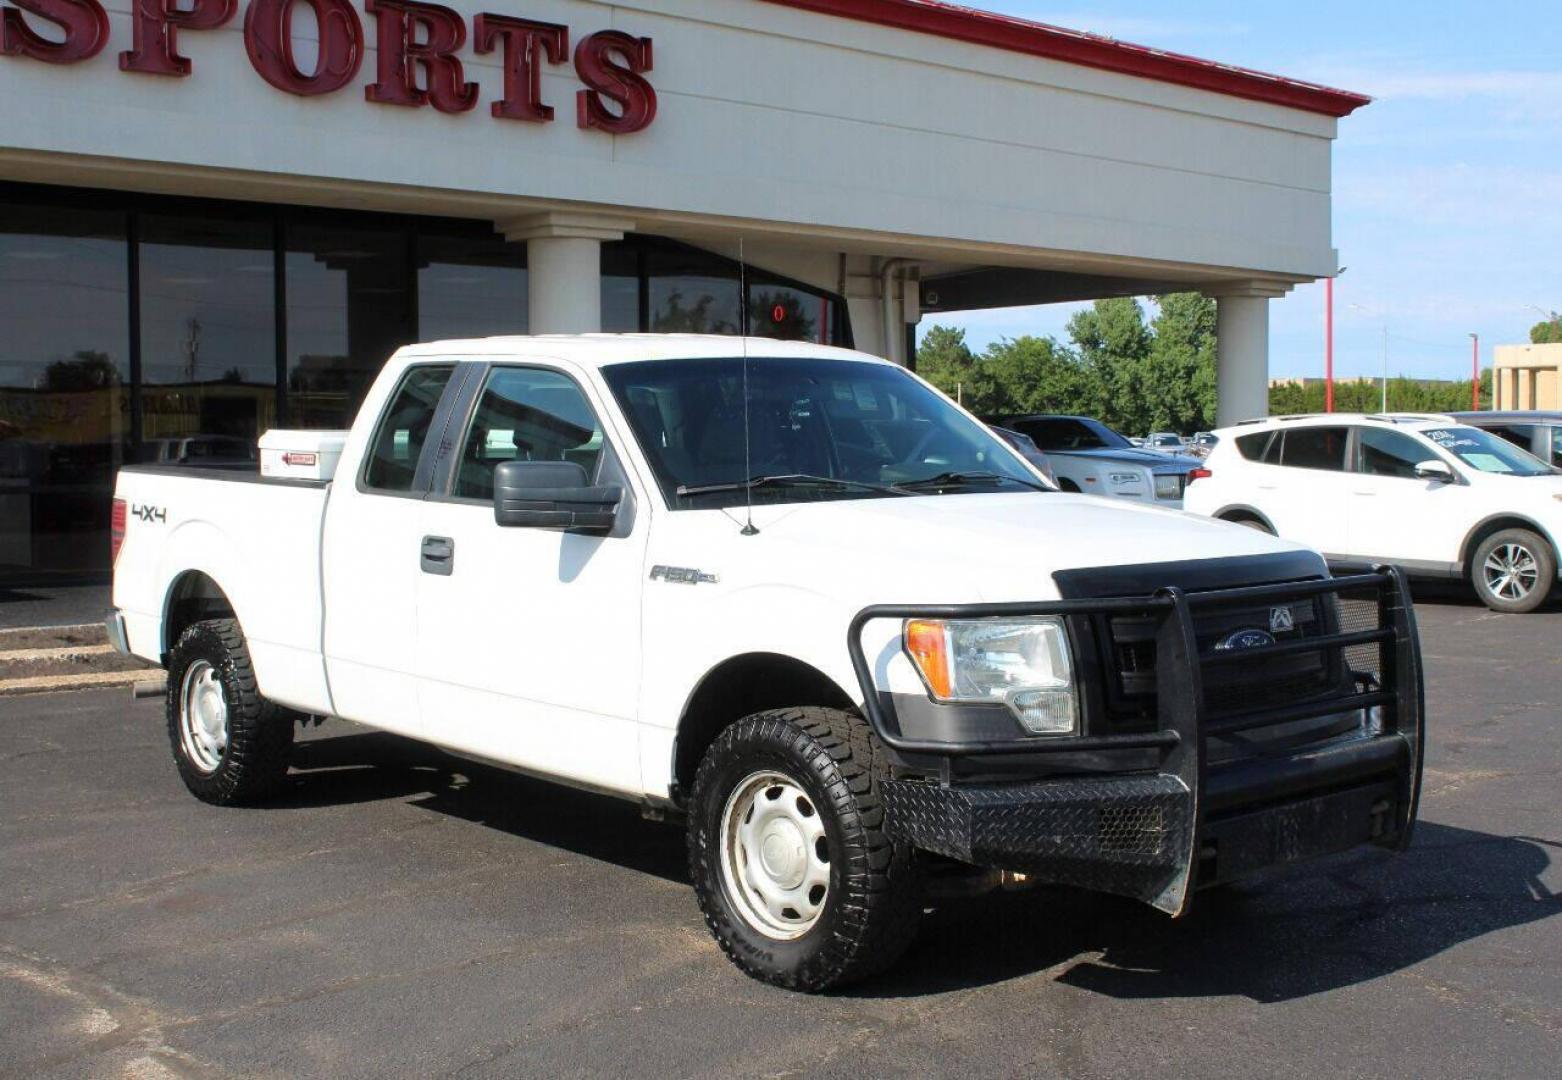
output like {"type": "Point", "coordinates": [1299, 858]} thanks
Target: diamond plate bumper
{"type": "Point", "coordinates": [1130, 835]}
{"type": "Point", "coordinates": [1089, 810]}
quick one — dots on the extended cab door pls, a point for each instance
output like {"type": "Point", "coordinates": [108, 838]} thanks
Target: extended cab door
{"type": "Point", "coordinates": [1397, 518]}
{"type": "Point", "coordinates": [369, 555]}
{"type": "Point", "coordinates": [529, 638]}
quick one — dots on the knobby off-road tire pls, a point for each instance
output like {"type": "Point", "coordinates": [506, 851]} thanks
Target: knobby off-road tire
{"type": "Point", "coordinates": [793, 763]}
{"type": "Point", "coordinates": [1513, 571]}
{"type": "Point", "coordinates": [231, 748]}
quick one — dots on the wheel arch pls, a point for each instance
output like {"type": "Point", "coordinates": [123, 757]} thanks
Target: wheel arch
{"type": "Point", "coordinates": [1244, 512]}
{"type": "Point", "coordinates": [740, 686]}
{"type": "Point", "coordinates": [1496, 523]}
{"type": "Point", "coordinates": [193, 596]}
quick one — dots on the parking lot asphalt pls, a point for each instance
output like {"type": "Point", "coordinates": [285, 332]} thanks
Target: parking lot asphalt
{"type": "Point", "coordinates": [400, 912]}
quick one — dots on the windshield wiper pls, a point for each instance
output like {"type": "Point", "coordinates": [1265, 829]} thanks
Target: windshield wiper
{"type": "Point", "coordinates": [961, 479]}
{"type": "Point", "coordinates": [787, 480]}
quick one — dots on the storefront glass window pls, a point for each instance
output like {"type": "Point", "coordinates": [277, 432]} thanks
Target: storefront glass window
{"type": "Point", "coordinates": [789, 313]}
{"type": "Point", "coordinates": [620, 288]}
{"type": "Point", "coordinates": [470, 286]}
{"type": "Point", "coordinates": [349, 306]}
{"type": "Point", "coordinates": [208, 337]}
{"type": "Point", "coordinates": [693, 292]}
{"type": "Point", "coordinates": [64, 386]}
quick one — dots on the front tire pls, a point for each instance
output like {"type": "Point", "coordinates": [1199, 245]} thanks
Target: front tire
{"type": "Point", "coordinates": [797, 879]}
{"type": "Point", "coordinates": [231, 745]}
{"type": "Point", "coordinates": [1513, 571]}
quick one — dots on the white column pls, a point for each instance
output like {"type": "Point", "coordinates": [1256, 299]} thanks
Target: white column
{"type": "Point", "coordinates": [564, 268]}
{"type": "Point", "coordinates": [1242, 350]}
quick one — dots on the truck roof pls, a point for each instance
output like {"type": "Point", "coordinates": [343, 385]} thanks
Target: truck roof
{"type": "Point", "coordinates": [600, 350]}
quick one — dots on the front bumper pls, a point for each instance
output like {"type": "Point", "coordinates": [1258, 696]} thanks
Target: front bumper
{"type": "Point", "coordinates": [1107, 819]}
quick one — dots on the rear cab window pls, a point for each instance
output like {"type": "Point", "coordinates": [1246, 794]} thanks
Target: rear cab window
{"type": "Point", "coordinates": [391, 465]}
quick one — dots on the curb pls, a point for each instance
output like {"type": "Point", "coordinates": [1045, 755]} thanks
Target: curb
{"type": "Point", "coordinates": [144, 682]}
{"type": "Point", "coordinates": [43, 659]}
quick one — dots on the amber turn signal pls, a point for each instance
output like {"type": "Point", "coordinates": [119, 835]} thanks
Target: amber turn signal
{"type": "Point", "coordinates": [928, 646]}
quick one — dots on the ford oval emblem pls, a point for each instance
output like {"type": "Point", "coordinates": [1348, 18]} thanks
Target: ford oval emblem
{"type": "Point", "coordinates": [1249, 638]}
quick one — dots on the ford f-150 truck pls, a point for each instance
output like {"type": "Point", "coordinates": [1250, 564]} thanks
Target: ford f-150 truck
{"type": "Point", "coordinates": [795, 597]}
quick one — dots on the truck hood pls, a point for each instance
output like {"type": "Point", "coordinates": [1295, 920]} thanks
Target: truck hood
{"type": "Point", "coordinates": [984, 547]}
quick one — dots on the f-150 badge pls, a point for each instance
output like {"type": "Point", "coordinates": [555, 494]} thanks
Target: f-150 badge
{"type": "Point", "coordinates": [682, 575]}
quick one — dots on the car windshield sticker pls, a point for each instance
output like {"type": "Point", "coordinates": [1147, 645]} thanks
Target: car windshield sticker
{"type": "Point", "coordinates": [1452, 440]}
{"type": "Point", "coordinates": [1487, 462]}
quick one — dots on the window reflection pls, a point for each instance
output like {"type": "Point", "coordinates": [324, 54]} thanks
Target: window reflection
{"type": "Point", "coordinates": [470, 286]}
{"type": "Point", "coordinates": [690, 291]}
{"type": "Point", "coordinates": [64, 405]}
{"type": "Point", "coordinates": [693, 292]}
{"type": "Point", "coordinates": [208, 337]}
{"type": "Point", "coordinates": [349, 306]}
{"type": "Point", "coordinates": [620, 289]}
{"type": "Point", "coordinates": [792, 314]}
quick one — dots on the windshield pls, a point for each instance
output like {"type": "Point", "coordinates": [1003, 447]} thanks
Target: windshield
{"type": "Point", "coordinates": [811, 421]}
{"type": "Point", "coordinates": [1069, 433]}
{"type": "Point", "coordinates": [1484, 451]}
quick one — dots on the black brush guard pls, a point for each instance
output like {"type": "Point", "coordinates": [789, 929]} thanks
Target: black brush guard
{"type": "Point", "coordinates": [1155, 834]}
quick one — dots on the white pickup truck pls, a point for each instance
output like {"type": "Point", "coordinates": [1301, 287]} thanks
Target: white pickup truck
{"type": "Point", "coordinates": [794, 596]}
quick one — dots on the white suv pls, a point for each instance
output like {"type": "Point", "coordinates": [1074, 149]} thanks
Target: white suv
{"type": "Point", "coordinates": [1427, 493]}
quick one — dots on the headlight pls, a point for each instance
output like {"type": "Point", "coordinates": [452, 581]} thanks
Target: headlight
{"type": "Point", "coordinates": [1168, 486]}
{"type": "Point", "coordinates": [1021, 663]}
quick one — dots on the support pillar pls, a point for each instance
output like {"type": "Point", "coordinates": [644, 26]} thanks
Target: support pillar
{"type": "Point", "coordinates": [1242, 349]}
{"type": "Point", "coordinates": [564, 267]}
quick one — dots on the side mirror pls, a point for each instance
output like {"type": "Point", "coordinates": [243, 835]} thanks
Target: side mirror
{"type": "Point", "coordinates": [1437, 472]}
{"type": "Point", "coordinates": [553, 495]}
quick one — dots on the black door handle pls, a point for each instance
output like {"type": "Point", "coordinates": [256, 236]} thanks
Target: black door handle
{"type": "Point", "coordinates": [439, 555]}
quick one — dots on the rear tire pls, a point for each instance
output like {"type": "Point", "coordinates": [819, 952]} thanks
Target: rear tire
{"type": "Point", "coordinates": [798, 881]}
{"type": "Point", "coordinates": [231, 745]}
{"type": "Point", "coordinates": [1513, 571]}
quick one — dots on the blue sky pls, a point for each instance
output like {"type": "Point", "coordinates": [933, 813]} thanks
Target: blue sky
{"type": "Point", "coordinates": [1447, 188]}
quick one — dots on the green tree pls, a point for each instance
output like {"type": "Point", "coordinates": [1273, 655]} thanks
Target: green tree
{"type": "Point", "coordinates": [946, 361]}
{"type": "Point", "coordinates": [1113, 343]}
{"type": "Point", "coordinates": [1548, 332]}
{"type": "Point", "coordinates": [1404, 395]}
{"type": "Point", "coordinates": [1179, 373]}
{"type": "Point", "coordinates": [1037, 374]}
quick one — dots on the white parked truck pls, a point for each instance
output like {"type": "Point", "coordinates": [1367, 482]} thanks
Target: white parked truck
{"type": "Point", "coordinates": [789, 594]}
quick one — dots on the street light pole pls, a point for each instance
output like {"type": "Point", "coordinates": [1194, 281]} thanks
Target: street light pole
{"type": "Point", "coordinates": [1385, 365]}
{"type": "Point", "coordinates": [1328, 344]}
{"type": "Point", "coordinates": [1475, 372]}
{"type": "Point", "coordinates": [1328, 340]}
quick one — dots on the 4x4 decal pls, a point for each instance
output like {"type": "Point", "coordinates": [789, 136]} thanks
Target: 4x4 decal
{"type": "Point", "coordinates": [149, 513]}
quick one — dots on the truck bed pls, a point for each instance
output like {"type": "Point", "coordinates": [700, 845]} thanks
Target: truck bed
{"type": "Point", "coordinates": [259, 537]}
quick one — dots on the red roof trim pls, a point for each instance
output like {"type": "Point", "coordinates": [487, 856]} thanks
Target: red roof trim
{"type": "Point", "coordinates": [1090, 50]}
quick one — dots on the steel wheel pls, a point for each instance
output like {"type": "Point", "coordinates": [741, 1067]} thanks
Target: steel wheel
{"type": "Point", "coordinates": [775, 860]}
{"type": "Point", "coordinates": [1511, 572]}
{"type": "Point", "coordinates": [203, 717]}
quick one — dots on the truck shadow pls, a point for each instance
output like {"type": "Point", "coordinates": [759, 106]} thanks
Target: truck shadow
{"type": "Point", "coordinates": [1293, 933]}
{"type": "Point", "coordinates": [372, 766]}
{"type": "Point", "coordinates": [1290, 934]}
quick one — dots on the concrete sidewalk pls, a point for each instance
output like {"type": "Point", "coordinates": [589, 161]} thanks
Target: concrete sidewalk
{"type": "Point", "coordinates": [40, 659]}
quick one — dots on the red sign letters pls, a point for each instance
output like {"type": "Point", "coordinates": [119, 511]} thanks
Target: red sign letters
{"type": "Point", "coordinates": [417, 52]}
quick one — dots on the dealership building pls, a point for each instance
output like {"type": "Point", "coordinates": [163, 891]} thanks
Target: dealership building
{"type": "Point", "coordinates": [219, 216]}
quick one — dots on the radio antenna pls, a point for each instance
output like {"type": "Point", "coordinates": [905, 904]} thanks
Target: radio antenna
{"type": "Point", "coordinates": [748, 463]}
